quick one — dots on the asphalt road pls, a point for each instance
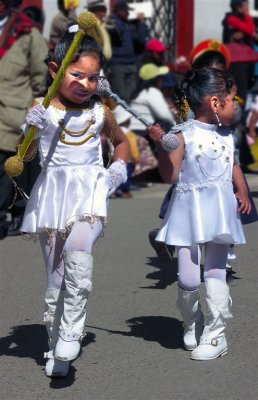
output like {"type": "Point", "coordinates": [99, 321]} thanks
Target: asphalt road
{"type": "Point", "coordinates": [133, 349]}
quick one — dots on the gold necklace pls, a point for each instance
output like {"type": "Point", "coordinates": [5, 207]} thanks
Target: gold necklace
{"type": "Point", "coordinates": [76, 133]}
{"type": "Point", "coordinates": [62, 139]}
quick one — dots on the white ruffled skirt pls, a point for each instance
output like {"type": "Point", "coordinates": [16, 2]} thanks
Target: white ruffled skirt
{"type": "Point", "coordinates": [64, 195]}
{"type": "Point", "coordinates": [202, 215]}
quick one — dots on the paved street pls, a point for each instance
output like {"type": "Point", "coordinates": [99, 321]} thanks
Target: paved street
{"type": "Point", "coordinates": [133, 350]}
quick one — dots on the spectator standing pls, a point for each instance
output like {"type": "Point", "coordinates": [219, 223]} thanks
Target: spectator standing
{"type": "Point", "coordinates": [60, 22]}
{"type": "Point", "coordinates": [128, 41]}
{"type": "Point", "coordinates": [22, 76]}
{"type": "Point", "coordinates": [238, 27]}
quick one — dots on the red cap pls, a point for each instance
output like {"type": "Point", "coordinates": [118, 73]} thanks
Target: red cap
{"type": "Point", "coordinates": [155, 45]}
{"type": "Point", "coordinates": [210, 45]}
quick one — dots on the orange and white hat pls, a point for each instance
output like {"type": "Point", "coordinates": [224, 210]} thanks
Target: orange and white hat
{"type": "Point", "coordinates": [210, 45]}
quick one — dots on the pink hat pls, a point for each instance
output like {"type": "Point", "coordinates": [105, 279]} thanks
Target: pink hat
{"type": "Point", "coordinates": [155, 45]}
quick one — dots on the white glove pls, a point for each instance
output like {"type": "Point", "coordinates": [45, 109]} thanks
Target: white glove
{"type": "Point", "coordinates": [37, 116]}
{"type": "Point", "coordinates": [118, 174]}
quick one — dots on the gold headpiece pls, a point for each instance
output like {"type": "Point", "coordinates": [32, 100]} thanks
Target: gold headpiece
{"type": "Point", "coordinates": [89, 24]}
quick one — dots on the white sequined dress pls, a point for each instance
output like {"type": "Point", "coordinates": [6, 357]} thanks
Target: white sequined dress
{"type": "Point", "coordinates": [203, 206]}
{"type": "Point", "coordinates": [73, 183]}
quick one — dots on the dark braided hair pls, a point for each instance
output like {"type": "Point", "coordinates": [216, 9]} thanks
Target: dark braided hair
{"type": "Point", "coordinates": [201, 83]}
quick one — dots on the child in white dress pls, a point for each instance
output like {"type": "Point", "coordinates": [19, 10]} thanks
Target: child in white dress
{"type": "Point", "coordinates": [203, 210]}
{"type": "Point", "coordinates": [68, 204]}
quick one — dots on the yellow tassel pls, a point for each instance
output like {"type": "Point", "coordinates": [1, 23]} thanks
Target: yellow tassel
{"type": "Point", "coordinates": [13, 166]}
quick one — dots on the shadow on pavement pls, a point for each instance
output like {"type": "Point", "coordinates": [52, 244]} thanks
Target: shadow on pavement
{"type": "Point", "coordinates": [30, 341]}
{"type": "Point", "coordinates": [25, 341]}
{"type": "Point", "coordinates": [165, 274]}
{"type": "Point", "coordinates": [166, 331]}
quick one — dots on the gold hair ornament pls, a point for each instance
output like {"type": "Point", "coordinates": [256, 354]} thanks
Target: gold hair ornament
{"type": "Point", "coordinates": [239, 100]}
{"type": "Point", "coordinates": [183, 111]}
{"type": "Point", "coordinates": [88, 24]}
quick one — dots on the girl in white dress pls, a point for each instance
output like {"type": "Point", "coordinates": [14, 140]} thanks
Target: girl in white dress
{"type": "Point", "coordinates": [68, 204]}
{"type": "Point", "coordinates": [203, 210]}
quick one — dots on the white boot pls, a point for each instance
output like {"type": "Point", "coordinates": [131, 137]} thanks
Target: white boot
{"type": "Point", "coordinates": [213, 342]}
{"type": "Point", "coordinates": [55, 368]}
{"type": "Point", "coordinates": [190, 309]}
{"type": "Point", "coordinates": [78, 285]}
{"type": "Point", "coordinates": [54, 300]}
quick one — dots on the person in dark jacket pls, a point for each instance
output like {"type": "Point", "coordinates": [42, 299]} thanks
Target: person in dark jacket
{"type": "Point", "coordinates": [128, 41]}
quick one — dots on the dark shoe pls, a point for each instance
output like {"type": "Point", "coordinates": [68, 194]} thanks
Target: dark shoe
{"type": "Point", "coordinates": [229, 273]}
{"type": "Point", "coordinates": [3, 229]}
{"type": "Point", "coordinates": [163, 251]}
{"type": "Point", "coordinates": [14, 227]}
{"type": "Point", "coordinates": [126, 195]}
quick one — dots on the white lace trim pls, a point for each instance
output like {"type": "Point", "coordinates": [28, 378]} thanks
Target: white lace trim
{"type": "Point", "coordinates": [90, 218]}
{"type": "Point", "coordinates": [181, 188]}
{"type": "Point", "coordinates": [118, 174]}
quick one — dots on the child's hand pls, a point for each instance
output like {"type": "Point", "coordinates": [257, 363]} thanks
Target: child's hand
{"type": "Point", "coordinates": [244, 202]}
{"type": "Point", "coordinates": [37, 116]}
{"type": "Point", "coordinates": [155, 132]}
{"type": "Point", "coordinates": [118, 174]}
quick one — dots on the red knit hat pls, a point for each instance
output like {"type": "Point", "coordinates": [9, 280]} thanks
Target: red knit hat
{"type": "Point", "coordinates": [210, 45]}
{"type": "Point", "coordinates": [155, 45]}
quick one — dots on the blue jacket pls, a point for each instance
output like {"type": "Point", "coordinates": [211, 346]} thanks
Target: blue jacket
{"type": "Point", "coordinates": [127, 40]}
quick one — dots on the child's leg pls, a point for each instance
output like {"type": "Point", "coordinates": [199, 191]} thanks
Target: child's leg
{"type": "Point", "coordinates": [52, 249]}
{"type": "Point", "coordinates": [78, 265]}
{"type": "Point", "coordinates": [213, 342]}
{"type": "Point", "coordinates": [189, 272]}
{"type": "Point", "coordinates": [215, 261]}
{"type": "Point", "coordinates": [188, 294]}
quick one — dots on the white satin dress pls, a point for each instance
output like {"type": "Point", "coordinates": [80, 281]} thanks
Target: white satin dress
{"type": "Point", "coordinates": [203, 207]}
{"type": "Point", "coordinates": [73, 184]}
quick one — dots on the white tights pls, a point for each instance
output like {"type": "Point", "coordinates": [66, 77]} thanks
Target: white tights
{"type": "Point", "coordinates": [189, 260]}
{"type": "Point", "coordinates": [81, 238]}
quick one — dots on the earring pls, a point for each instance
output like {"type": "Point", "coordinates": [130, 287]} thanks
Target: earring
{"type": "Point", "coordinates": [219, 123]}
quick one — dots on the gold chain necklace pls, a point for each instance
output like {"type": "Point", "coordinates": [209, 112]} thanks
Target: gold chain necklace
{"type": "Point", "coordinates": [62, 139]}
{"type": "Point", "coordinates": [76, 133]}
